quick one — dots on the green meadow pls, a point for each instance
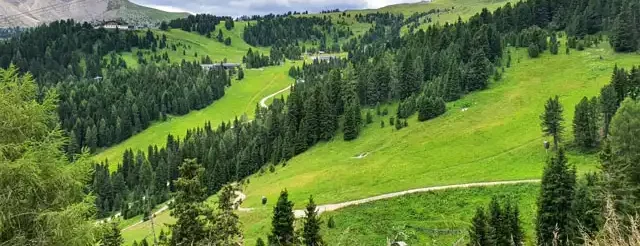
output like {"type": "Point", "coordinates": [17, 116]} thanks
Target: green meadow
{"type": "Point", "coordinates": [191, 44]}
{"type": "Point", "coordinates": [433, 218]}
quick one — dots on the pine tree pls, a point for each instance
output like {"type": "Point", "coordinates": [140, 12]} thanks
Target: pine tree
{"type": "Point", "coordinates": [351, 127]}
{"type": "Point", "coordinates": [477, 73]}
{"type": "Point", "coordinates": [501, 233]}
{"type": "Point", "coordinates": [513, 214]}
{"type": "Point", "coordinates": [533, 50]}
{"type": "Point", "coordinates": [552, 120]}
{"type": "Point", "coordinates": [91, 138]}
{"type": "Point", "coordinates": [311, 231]}
{"type": "Point", "coordinates": [608, 106]}
{"type": "Point", "coordinates": [623, 38]}
{"type": "Point", "coordinates": [556, 197]}
{"type": "Point", "coordinates": [479, 234]}
{"type": "Point", "coordinates": [112, 237]}
{"type": "Point", "coordinates": [226, 229]}
{"type": "Point", "coordinates": [584, 132]}
{"type": "Point", "coordinates": [625, 140]}
{"type": "Point", "coordinates": [282, 232]}
{"type": "Point", "coordinates": [189, 227]}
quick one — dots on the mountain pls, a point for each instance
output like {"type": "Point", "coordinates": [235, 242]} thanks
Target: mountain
{"type": "Point", "coordinates": [34, 12]}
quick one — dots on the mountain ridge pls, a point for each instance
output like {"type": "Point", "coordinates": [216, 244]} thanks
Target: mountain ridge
{"type": "Point", "coordinates": [29, 13]}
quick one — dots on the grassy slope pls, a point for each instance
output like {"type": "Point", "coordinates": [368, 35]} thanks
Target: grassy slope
{"type": "Point", "coordinates": [434, 218]}
{"type": "Point", "coordinates": [458, 8]}
{"type": "Point", "coordinates": [241, 98]}
{"type": "Point", "coordinates": [202, 45]}
{"type": "Point", "coordinates": [498, 138]}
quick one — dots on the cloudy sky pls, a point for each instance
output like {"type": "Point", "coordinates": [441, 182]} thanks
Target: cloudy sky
{"type": "Point", "coordinates": [250, 7]}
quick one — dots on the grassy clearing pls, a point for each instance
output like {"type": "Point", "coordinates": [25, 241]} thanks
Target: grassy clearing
{"type": "Point", "coordinates": [239, 99]}
{"type": "Point", "coordinates": [458, 8]}
{"type": "Point", "coordinates": [433, 218]}
{"type": "Point", "coordinates": [201, 45]}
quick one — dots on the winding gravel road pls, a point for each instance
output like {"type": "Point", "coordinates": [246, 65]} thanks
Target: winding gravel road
{"type": "Point", "coordinates": [333, 207]}
{"type": "Point", "coordinates": [263, 102]}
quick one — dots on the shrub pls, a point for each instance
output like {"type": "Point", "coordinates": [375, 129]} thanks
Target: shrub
{"type": "Point", "coordinates": [534, 51]}
{"type": "Point", "coordinates": [331, 223]}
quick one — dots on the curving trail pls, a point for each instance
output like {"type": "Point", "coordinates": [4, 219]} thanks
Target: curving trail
{"type": "Point", "coordinates": [336, 206]}
{"type": "Point", "coordinates": [264, 100]}
{"type": "Point", "coordinates": [240, 197]}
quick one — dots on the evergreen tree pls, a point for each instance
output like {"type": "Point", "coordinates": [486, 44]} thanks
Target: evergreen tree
{"type": "Point", "coordinates": [584, 125]}
{"type": "Point", "coordinates": [112, 236]}
{"type": "Point", "coordinates": [190, 193]}
{"type": "Point", "coordinates": [352, 120]}
{"type": "Point", "coordinates": [477, 73]}
{"type": "Point", "coordinates": [480, 232]}
{"type": "Point", "coordinates": [552, 120]}
{"type": "Point", "coordinates": [282, 232]}
{"type": "Point", "coordinates": [623, 38]}
{"type": "Point", "coordinates": [554, 202]}
{"type": "Point", "coordinates": [164, 26]}
{"type": "Point", "coordinates": [311, 231]}
{"type": "Point", "coordinates": [625, 141]}
{"type": "Point", "coordinates": [226, 229]}
{"type": "Point", "coordinates": [533, 50]}
{"type": "Point", "coordinates": [260, 242]}
{"type": "Point", "coordinates": [608, 106]}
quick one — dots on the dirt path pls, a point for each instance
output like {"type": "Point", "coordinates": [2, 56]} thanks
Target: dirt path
{"type": "Point", "coordinates": [161, 210]}
{"type": "Point", "coordinates": [333, 207]}
{"type": "Point", "coordinates": [263, 102]}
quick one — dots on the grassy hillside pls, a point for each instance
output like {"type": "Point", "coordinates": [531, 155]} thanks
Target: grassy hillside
{"type": "Point", "coordinates": [456, 8]}
{"type": "Point", "coordinates": [434, 218]}
{"type": "Point", "coordinates": [192, 43]}
{"type": "Point", "coordinates": [497, 138]}
{"type": "Point", "coordinates": [240, 98]}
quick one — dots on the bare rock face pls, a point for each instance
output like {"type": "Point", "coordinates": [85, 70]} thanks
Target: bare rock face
{"type": "Point", "coordinates": [28, 13]}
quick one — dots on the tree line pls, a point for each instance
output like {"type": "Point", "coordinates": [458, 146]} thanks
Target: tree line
{"type": "Point", "coordinates": [204, 24]}
{"type": "Point", "coordinates": [102, 112]}
{"type": "Point", "coordinates": [54, 51]}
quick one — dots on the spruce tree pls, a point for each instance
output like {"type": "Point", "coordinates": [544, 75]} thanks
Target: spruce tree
{"type": "Point", "coordinates": [554, 201]}
{"type": "Point", "coordinates": [480, 232]}
{"type": "Point", "coordinates": [112, 236]}
{"type": "Point", "coordinates": [513, 217]}
{"type": "Point", "coordinates": [608, 106]}
{"type": "Point", "coordinates": [585, 135]}
{"type": "Point", "coordinates": [282, 231]}
{"type": "Point", "coordinates": [311, 231]}
{"type": "Point", "coordinates": [625, 140]}
{"type": "Point", "coordinates": [623, 38]}
{"type": "Point", "coordinates": [501, 233]}
{"type": "Point", "coordinates": [477, 73]}
{"type": "Point", "coordinates": [552, 120]}
{"type": "Point", "coordinates": [190, 193]}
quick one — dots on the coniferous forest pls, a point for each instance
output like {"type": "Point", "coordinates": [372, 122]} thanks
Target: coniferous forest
{"type": "Point", "coordinates": [63, 78]}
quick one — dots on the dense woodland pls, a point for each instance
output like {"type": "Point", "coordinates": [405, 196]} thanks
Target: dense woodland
{"type": "Point", "coordinates": [99, 113]}
{"type": "Point", "coordinates": [102, 102]}
{"type": "Point", "coordinates": [204, 24]}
